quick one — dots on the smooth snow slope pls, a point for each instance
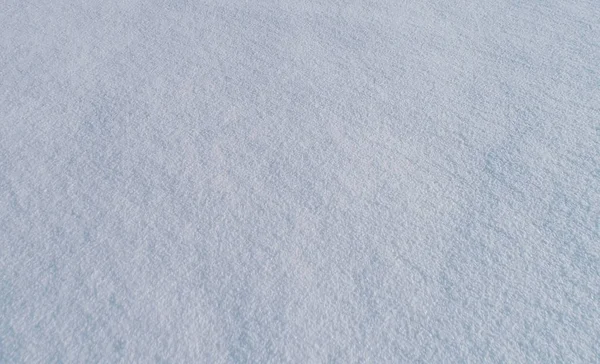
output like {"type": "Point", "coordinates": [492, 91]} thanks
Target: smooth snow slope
{"type": "Point", "coordinates": [299, 181]}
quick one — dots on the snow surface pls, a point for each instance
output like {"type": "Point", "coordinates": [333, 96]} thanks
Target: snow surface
{"type": "Point", "coordinates": [299, 181]}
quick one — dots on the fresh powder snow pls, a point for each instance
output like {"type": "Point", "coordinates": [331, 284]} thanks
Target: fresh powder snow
{"type": "Point", "coordinates": [315, 181]}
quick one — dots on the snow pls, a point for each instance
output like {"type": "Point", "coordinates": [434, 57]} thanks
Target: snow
{"type": "Point", "coordinates": [299, 181]}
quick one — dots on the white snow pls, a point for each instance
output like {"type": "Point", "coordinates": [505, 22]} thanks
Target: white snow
{"type": "Point", "coordinates": [299, 181]}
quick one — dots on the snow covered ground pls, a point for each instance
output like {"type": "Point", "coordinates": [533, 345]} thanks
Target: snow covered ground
{"type": "Point", "coordinates": [315, 181]}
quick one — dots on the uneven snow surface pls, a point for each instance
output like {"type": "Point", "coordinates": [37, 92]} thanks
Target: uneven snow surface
{"type": "Point", "coordinates": [313, 181]}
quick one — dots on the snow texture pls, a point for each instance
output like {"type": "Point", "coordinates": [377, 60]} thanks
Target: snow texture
{"type": "Point", "coordinates": [315, 181]}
